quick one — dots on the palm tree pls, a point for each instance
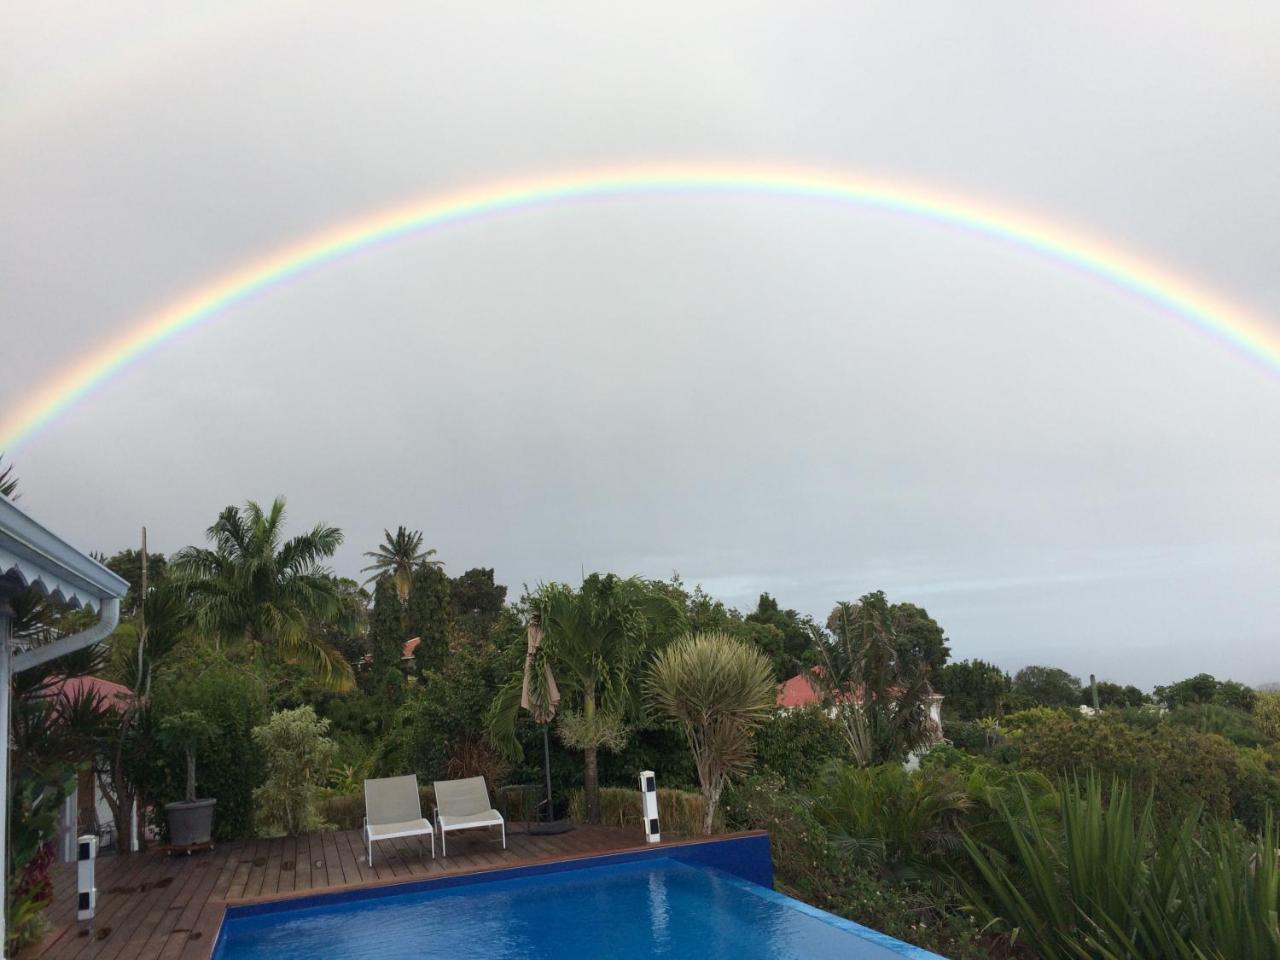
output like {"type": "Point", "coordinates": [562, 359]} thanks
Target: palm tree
{"type": "Point", "coordinates": [398, 556]}
{"type": "Point", "coordinates": [8, 482]}
{"type": "Point", "coordinates": [718, 689]}
{"type": "Point", "coordinates": [595, 638]}
{"type": "Point", "coordinates": [258, 589]}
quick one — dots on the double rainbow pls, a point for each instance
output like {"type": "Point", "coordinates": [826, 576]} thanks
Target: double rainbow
{"type": "Point", "coordinates": [1121, 268]}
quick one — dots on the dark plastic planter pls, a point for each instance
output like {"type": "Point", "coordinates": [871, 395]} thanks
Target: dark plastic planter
{"type": "Point", "coordinates": [190, 822]}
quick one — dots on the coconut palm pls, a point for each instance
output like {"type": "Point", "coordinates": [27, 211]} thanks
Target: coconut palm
{"type": "Point", "coordinates": [398, 556]}
{"type": "Point", "coordinates": [718, 689]}
{"type": "Point", "coordinates": [257, 589]}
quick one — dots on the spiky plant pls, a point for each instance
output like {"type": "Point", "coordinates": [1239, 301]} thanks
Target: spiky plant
{"type": "Point", "coordinates": [258, 589]}
{"type": "Point", "coordinates": [718, 689]}
{"type": "Point", "coordinates": [398, 556]}
{"type": "Point", "coordinates": [8, 482]}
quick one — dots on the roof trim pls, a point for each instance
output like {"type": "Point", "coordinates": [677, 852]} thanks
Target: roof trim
{"type": "Point", "coordinates": [35, 556]}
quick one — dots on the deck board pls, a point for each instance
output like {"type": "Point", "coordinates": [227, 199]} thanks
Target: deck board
{"type": "Point", "coordinates": [155, 907]}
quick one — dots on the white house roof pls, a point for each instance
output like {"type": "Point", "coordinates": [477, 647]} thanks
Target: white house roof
{"type": "Point", "coordinates": [34, 556]}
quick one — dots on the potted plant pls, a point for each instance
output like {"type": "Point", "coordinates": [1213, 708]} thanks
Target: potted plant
{"type": "Point", "coordinates": [190, 820]}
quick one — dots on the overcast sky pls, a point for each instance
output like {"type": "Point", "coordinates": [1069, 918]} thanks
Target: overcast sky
{"type": "Point", "coordinates": [761, 393]}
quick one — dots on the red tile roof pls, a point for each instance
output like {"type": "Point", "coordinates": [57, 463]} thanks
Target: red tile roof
{"type": "Point", "coordinates": [798, 692]}
{"type": "Point", "coordinates": [107, 691]}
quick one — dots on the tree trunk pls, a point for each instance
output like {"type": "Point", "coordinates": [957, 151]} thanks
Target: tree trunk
{"type": "Point", "coordinates": [591, 783]}
{"type": "Point", "coordinates": [712, 796]}
{"type": "Point", "coordinates": [191, 775]}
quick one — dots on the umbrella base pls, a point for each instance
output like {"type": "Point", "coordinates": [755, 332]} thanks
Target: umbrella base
{"type": "Point", "coordinates": [551, 827]}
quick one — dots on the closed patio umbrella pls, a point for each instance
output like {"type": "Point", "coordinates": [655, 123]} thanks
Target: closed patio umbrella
{"type": "Point", "coordinates": [540, 696]}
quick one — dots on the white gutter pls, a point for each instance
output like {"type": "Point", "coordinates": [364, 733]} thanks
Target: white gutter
{"type": "Point", "coordinates": [27, 659]}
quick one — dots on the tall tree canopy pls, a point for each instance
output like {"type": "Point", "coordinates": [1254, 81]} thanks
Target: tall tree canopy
{"type": "Point", "coordinates": [878, 691]}
{"type": "Point", "coordinates": [1039, 686]}
{"type": "Point", "coordinates": [973, 689]}
{"type": "Point", "coordinates": [918, 636]}
{"type": "Point", "coordinates": [428, 615]}
{"type": "Point", "coordinates": [258, 590]}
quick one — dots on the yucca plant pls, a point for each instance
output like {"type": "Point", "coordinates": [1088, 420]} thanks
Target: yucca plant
{"type": "Point", "coordinates": [718, 689]}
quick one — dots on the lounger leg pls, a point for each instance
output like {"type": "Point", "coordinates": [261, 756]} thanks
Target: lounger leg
{"type": "Point", "coordinates": [444, 844]}
{"type": "Point", "coordinates": [433, 845]}
{"type": "Point", "coordinates": [369, 840]}
{"type": "Point", "coordinates": [504, 835]}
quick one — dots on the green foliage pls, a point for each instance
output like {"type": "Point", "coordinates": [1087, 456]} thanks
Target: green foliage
{"type": "Point", "coordinates": [795, 745]}
{"type": "Point", "coordinates": [1110, 883]}
{"type": "Point", "coordinates": [297, 754]}
{"type": "Point", "coordinates": [896, 822]}
{"type": "Point", "coordinates": [476, 602]}
{"type": "Point", "coordinates": [1266, 714]}
{"type": "Point", "coordinates": [1038, 686]}
{"type": "Point", "coordinates": [595, 639]}
{"type": "Point", "coordinates": [783, 634]}
{"type": "Point", "coordinates": [128, 564]}
{"type": "Point", "coordinates": [386, 629]}
{"type": "Point", "coordinates": [232, 699]}
{"type": "Point", "coordinates": [1113, 695]}
{"type": "Point", "coordinates": [717, 690]}
{"type": "Point", "coordinates": [1204, 688]}
{"type": "Point", "coordinates": [1227, 722]}
{"type": "Point", "coordinates": [973, 689]}
{"type": "Point", "coordinates": [1181, 768]}
{"type": "Point", "coordinates": [428, 615]}
{"type": "Point", "coordinates": [261, 593]}
{"type": "Point", "coordinates": [877, 690]}
{"type": "Point", "coordinates": [811, 866]}
{"type": "Point", "coordinates": [186, 732]}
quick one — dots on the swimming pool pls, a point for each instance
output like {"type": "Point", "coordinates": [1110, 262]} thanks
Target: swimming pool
{"type": "Point", "coordinates": [655, 907]}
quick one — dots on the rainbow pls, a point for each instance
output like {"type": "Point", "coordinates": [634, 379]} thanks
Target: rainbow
{"type": "Point", "coordinates": [1109, 263]}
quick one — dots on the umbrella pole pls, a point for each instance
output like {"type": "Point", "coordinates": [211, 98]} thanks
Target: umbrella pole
{"type": "Point", "coordinates": [546, 766]}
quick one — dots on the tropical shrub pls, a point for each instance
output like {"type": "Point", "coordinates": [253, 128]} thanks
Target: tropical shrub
{"type": "Point", "coordinates": [1228, 722]}
{"type": "Point", "coordinates": [795, 745]}
{"type": "Point", "coordinates": [297, 755]}
{"type": "Point", "coordinates": [1110, 883]}
{"type": "Point", "coordinates": [718, 690]}
{"type": "Point", "coordinates": [902, 824]}
{"type": "Point", "coordinates": [1179, 767]}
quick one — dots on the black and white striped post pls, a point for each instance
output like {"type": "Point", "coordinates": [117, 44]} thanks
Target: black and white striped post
{"type": "Point", "coordinates": [86, 856]}
{"type": "Point", "coordinates": [649, 804]}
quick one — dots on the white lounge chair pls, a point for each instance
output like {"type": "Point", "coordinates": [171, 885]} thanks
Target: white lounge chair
{"type": "Point", "coordinates": [393, 809]}
{"type": "Point", "coordinates": [464, 805]}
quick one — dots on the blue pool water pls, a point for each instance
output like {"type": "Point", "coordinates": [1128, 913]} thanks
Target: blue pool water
{"type": "Point", "coordinates": [654, 908]}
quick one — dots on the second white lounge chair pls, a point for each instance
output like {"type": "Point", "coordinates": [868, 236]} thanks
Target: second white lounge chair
{"type": "Point", "coordinates": [393, 809]}
{"type": "Point", "coordinates": [464, 805]}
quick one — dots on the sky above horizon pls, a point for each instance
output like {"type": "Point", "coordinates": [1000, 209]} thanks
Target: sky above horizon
{"type": "Point", "coordinates": [805, 398]}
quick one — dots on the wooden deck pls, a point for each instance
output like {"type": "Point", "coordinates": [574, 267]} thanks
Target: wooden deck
{"type": "Point", "coordinates": [154, 907]}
